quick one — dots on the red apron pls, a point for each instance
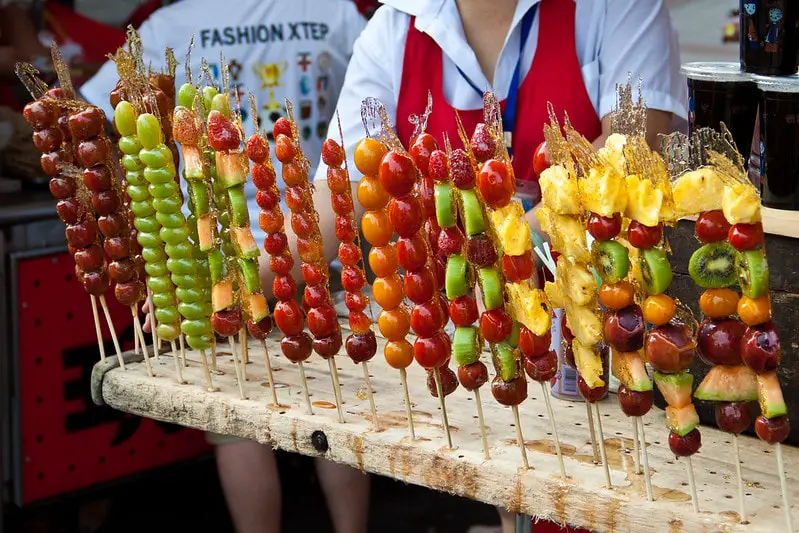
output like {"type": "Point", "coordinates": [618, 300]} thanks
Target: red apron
{"type": "Point", "coordinates": [554, 76]}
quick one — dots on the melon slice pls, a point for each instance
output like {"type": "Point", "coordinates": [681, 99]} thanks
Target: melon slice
{"type": "Point", "coordinates": [193, 162]}
{"type": "Point", "coordinates": [629, 368]}
{"type": "Point", "coordinates": [681, 420]}
{"type": "Point", "coordinates": [222, 295]}
{"type": "Point", "coordinates": [772, 404]}
{"type": "Point", "coordinates": [728, 384]}
{"type": "Point", "coordinates": [589, 364]}
{"type": "Point", "coordinates": [244, 242]}
{"type": "Point", "coordinates": [205, 232]}
{"type": "Point", "coordinates": [232, 168]}
{"type": "Point", "coordinates": [675, 388]}
{"type": "Point", "coordinates": [255, 307]}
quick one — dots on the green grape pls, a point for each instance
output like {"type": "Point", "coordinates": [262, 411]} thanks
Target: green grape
{"type": "Point", "coordinates": [185, 281]}
{"type": "Point", "coordinates": [154, 255]}
{"type": "Point", "coordinates": [208, 97]}
{"type": "Point", "coordinates": [157, 157]}
{"type": "Point", "coordinates": [221, 103]}
{"type": "Point", "coordinates": [149, 131]}
{"type": "Point", "coordinates": [186, 95]}
{"type": "Point", "coordinates": [159, 175]}
{"type": "Point", "coordinates": [142, 209]}
{"type": "Point", "coordinates": [157, 268]}
{"type": "Point", "coordinates": [132, 163]}
{"type": "Point", "coordinates": [138, 193]}
{"type": "Point", "coordinates": [125, 118]}
{"type": "Point", "coordinates": [183, 266]}
{"type": "Point", "coordinates": [188, 294]}
{"type": "Point", "coordinates": [167, 204]}
{"type": "Point", "coordinates": [199, 342]}
{"type": "Point", "coordinates": [174, 235]}
{"type": "Point", "coordinates": [160, 284]}
{"type": "Point", "coordinates": [170, 220]}
{"type": "Point", "coordinates": [148, 240]}
{"type": "Point", "coordinates": [169, 332]}
{"type": "Point", "coordinates": [136, 177]}
{"type": "Point", "coordinates": [164, 299]}
{"type": "Point", "coordinates": [147, 224]}
{"type": "Point", "coordinates": [196, 327]}
{"type": "Point", "coordinates": [191, 310]}
{"type": "Point", "coordinates": [167, 315]}
{"type": "Point", "coordinates": [129, 145]}
{"type": "Point", "coordinates": [180, 250]}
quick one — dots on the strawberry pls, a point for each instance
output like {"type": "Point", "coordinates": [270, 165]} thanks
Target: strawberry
{"type": "Point", "coordinates": [257, 149]}
{"type": "Point", "coordinates": [222, 133]}
{"type": "Point", "coordinates": [483, 144]}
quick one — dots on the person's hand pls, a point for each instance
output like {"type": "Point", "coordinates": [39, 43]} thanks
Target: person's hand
{"type": "Point", "coordinates": [145, 308]}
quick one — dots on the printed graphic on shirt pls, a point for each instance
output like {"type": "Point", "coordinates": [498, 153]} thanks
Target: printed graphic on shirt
{"type": "Point", "coordinates": [323, 61]}
{"type": "Point", "coordinates": [321, 104]}
{"type": "Point", "coordinates": [306, 132]}
{"type": "Point", "coordinates": [234, 67]}
{"type": "Point", "coordinates": [268, 118]}
{"type": "Point", "coordinates": [305, 85]}
{"type": "Point", "coordinates": [270, 74]}
{"type": "Point", "coordinates": [304, 61]}
{"type": "Point", "coordinates": [321, 129]}
{"type": "Point", "coordinates": [305, 109]}
{"type": "Point", "coordinates": [264, 33]}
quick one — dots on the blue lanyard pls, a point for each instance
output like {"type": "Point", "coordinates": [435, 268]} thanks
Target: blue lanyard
{"type": "Point", "coordinates": [509, 115]}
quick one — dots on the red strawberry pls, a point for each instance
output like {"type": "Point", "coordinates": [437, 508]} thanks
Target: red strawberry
{"type": "Point", "coordinates": [222, 133]}
{"type": "Point", "coordinates": [282, 125]}
{"type": "Point", "coordinates": [483, 144]}
{"type": "Point", "coordinates": [257, 149]}
{"type": "Point", "coordinates": [439, 165]}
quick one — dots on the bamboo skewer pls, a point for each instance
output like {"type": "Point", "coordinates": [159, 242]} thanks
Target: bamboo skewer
{"type": "Point", "coordinates": [136, 344]}
{"type": "Point", "coordinates": [645, 455]}
{"type": "Point", "coordinates": [444, 418]}
{"type": "Point", "coordinates": [336, 388]}
{"type": "Point", "coordinates": [100, 342]}
{"type": "Point", "coordinates": [305, 388]}
{"type": "Point", "coordinates": [636, 451]}
{"type": "Point", "coordinates": [214, 367]}
{"type": "Point", "coordinates": [592, 432]}
{"type": "Point", "coordinates": [520, 436]}
{"type": "Point", "coordinates": [554, 429]}
{"type": "Point", "coordinates": [178, 365]}
{"type": "Point", "coordinates": [209, 382]}
{"type": "Point", "coordinates": [408, 407]}
{"type": "Point", "coordinates": [371, 396]}
{"type": "Point", "coordinates": [692, 482]}
{"type": "Point", "coordinates": [269, 375]}
{"type": "Point", "coordinates": [232, 341]}
{"type": "Point", "coordinates": [244, 352]}
{"type": "Point", "coordinates": [138, 333]}
{"type": "Point", "coordinates": [153, 328]}
{"type": "Point", "coordinates": [741, 502]}
{"type": "Point", "coordinates": [114, 338]}
{"type": "Point", "coordinates": [602, 451]}
{"type": "Point", "coordinates": [182, 342]}
{"type": "Point", "coordinates": [483, 434]}
{"type": "Point", "coordinates": [786, 499]}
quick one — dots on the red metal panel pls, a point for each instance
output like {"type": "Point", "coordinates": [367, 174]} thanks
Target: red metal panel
{"type": "Point", "coordinates": [67, 442]}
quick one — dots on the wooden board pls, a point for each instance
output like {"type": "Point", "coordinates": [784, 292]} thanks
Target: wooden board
{"type": "Point", "coordinates": [581, 500]}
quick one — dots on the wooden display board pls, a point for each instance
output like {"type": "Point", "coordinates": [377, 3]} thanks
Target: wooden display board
{"type": "Point", "coordinates": [581, 500]}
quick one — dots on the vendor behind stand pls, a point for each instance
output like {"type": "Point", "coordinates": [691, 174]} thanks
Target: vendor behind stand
{"type": "Point", "coordinates": [571, 53]}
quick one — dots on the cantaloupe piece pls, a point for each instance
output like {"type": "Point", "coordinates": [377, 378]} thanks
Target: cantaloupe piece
{"type": "Point", "coordinates": [772, 404]}
{"type": "Point", "coordinates": [255, 307]}
{"type": "Point", "coordinates": [728, 384]}
{"type": "Point", "coordinates": [675, 388]}
{"type": "Point", "coordinates": [629, 368]}
{"type": "Point", "coordinates": [681, 420]}
{"type": "Point", "coordinates": [222, 295]}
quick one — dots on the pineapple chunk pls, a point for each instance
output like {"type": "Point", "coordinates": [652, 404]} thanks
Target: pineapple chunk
{"type": "Point", "coordinates": [559, 191]}
{"type": "Point", "coordinates": [579, 285]}
{"type": "Point", "coordinates": [511, 228]}
{"type": "Point", "coordinates": [529, 306]}
{"type": "Point", "coordinates": [584, 324]}
{"type": "Point", "coordinates": [555, 294]}
{"type": "Point", "coordinates": [566, 233]}
{"type": "Point", "coordinates": [603, 193]}
{"type": "Point", "coordinates": [697, 191]}
{"type": "Point", "coordinates": [741, 204]}
{"type": "Point", "coordinates": [613, 152]}
{"type": "Point", "coordinates": [589, 364]}
{"type": "Point", "coordinates": [643, 201]}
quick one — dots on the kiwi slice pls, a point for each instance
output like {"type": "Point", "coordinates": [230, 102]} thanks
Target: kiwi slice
{"type": "Point", "coordinates": [474, 223]}
{"type": "Point", "coordinates": [445, 206]}
{"type": "Point", "coordinates": [752, 269]}
{"type": "Point", "coordinates": [216, 263]}
{"type": "Point", "coordinates": [464, 346]}
{"type": "Point", "coordinates": [249, 270]}
{"type": "Point", "coordinates": [491, 285]}
{"type": "Point", "coordinates": [455, 281]}
{"type": "Point", "coordinates": [238, 207]}
{"type": "Point", "coordinates": [713, 265]}
{"type": "Point", "coordinates": [505, 361]}
{"type": "Point", "coordinates": [513, 340]}
{"type": "Point", "coordinates": [610, 260]}
{"type": "Point", "coordinates": [655, 270]}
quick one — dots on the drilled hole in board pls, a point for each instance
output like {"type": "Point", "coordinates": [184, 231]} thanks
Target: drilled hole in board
{"type": "Point", "coordinates": [711, 472]}
{"type": "Point", "coordinates": [68, 277]}
{"type": "Point", "coordinates": [69, 315]}
{"type": "Point", "coordinates": [727, 496]}
{"type": "Point", "coordinates": [460, 457]}
{"type": "Point", "coordinates": [37, 322]}
{"type": "Point", "coordinates": [38, 361]}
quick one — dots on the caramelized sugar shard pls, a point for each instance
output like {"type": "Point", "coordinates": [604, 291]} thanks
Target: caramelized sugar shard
{"type": "Point", "coordinates": [557, 145]}
{"type": "Point", "coordinates": [187, 63]}
{"type": "Point", "coordinates": [29, 76]}
{"type": "Point", "coordinates": [172, 63]}
{"type": "Point", "coordinates": [581, 149]}
{"type": "Point", "coordinates": [295, 134]}
{"type": "Point", "coordinates": [62, 71]}
{"type": "Point", "coordinates": [377, 123]}
{"type": "Point", "coordinates": [629, 117]}
{"type": "Point", "coordinates": [420, 121]}
{"type": "Point", "coordinates": [254, 114]}
{"type": "Point", "coordinates": [492, 115]}
{"type": "Point", "coordinates": [678, 154]}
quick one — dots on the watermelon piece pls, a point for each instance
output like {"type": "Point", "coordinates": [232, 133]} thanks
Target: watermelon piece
{"type": "Point", "coordinates": [675, 388]}
{"type": "Point", "coordinates": [772, 404]}
{"type": "Point", "coordinates": [629, 368]}
{"type": "Point", "coordinates": [728, 384]}
{"type": "Point", "coordinates": [682, 420]}
{"type": "Point", "coordinates": [222, 295]}
{"type": "Point", "coordinates": [193, 164]}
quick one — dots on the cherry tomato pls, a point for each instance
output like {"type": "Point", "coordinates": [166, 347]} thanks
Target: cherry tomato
{"type": "Point", "coordinates": [754, 311]}
{"type": "Point", "coordinates": [604, 228]}
{"type": "Point", "coordinates": [746, 236]}
{"type": "Point", "coordinates": [711, 226]}
{"type": "Point", "coordinates": [644, 237]}
{"type": "Point", "coordinates": [659, 309]}
{"type": "Point", "coordinates": [616, 295]}
{"type": "Point", "coordinates": [541, 160]}
{"type": "Point", "coordinates": [718, 303]}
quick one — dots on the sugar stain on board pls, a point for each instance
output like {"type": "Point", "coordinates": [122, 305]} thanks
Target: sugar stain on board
{"type": "Point", "coordinates": [543, 446]}
{"type": "Point", "coordinates": [459, 477]}
{"type": "Point", "coordinates": [321, 404]}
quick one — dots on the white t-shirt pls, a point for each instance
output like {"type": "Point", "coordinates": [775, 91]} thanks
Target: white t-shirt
{"type": "Point", "coordinates": [297, 49]}
{"type": "Point", "coordinates": [613, 38]}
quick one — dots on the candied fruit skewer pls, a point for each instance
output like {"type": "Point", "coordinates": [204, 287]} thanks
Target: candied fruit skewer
{"type": "Point", "coordinates": [52, 138]}
{"type": "Point", "coordinates": [467, 344]}
{"type": "Point", "coordinates": [387, 288]}
{"type": "Point", "coordinates": [322, 316]}
{"type": "Point", "coordinates": [399, 175]}
{"type": "Point", "coordinates": [360, 347]}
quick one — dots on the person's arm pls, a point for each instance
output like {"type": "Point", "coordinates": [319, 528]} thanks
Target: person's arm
{"type": "Point", "coordinates": [657, 122]}
{"type": "Point", "coordinates": [20, 41]}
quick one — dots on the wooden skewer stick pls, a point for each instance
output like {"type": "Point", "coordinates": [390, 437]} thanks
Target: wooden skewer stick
{"type": "Point", "coordinates": [138, 334]}
{"type": "Point", "coordinates": [244, 352]}
{"type": "Point", "coordinates": [786, 499]}
{"type": "Point", "coordinates": [741, 503]}
{"type": "Point", "coordinates": [636, 451]}
{"type": "Point", "coordinates": [182, 342]}
{"type": "Point", "coordinates": [444, 418]}
{"type": "Point", "coordinates": [692, 482]}
{"type": "Point", "coordinates": [153, 328]}
{"type": "Point", "coordinates": [336, 388]}
{"type": "Point", "coordinates": [269, 375]}
{"type": "Point", "coordinates": [100, 342]}
{"type": "Point", "coordinates": [408, 407]}
{"type": "Point", "coordinates": [602, 451]}
{"type": "Point", "coordinates": [209, 382]}
{"type": "Point", "coordinates": [645, 454]}
{"type": "Point", "coordinates": [305, 388]}
{"type": "Point", "coordinates": [214, 358]}
{"type": "Point", "coordinates": [114, 338]}
{"type": "Point", "coordinates": [178, 365]}
{"type": "Point", "coordinates": [481, 420]}
{"type": "Point", "coordinates": [136, 345]}
{"type": "Point", "coordinates": [520, 436]}
{"type": "Point", "coordinates": [554, 427]}
{"type": "Point", "coordinates": [371, 396]}
{"type": "Point", "coordinates": [239, 378]}
{"type": "Point", "coordinates": [592, 432]}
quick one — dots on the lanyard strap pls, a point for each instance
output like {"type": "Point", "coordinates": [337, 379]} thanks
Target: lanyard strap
{"type": "Point", "coordinates": [509, 115]}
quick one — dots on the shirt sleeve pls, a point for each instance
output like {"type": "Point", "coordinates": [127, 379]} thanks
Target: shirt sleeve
{"type": "Point", "coordinates": [370, 74]}
{"type": "Point", "coordinates": [639, 40]}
